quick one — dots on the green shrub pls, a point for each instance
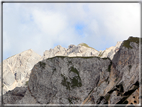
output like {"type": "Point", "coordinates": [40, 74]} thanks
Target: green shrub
{"type": "Point", "coordinates": [109, 67]}
{"type": "Point", "coordinates": [126, 43]}
{"type": "Point", "coordinates": [84, 44]}
{"type": "Point", "coordinates": [26, 83]}
{"type": "Point", "coordinates": [101, 54]}
{"type": "Point", "coordinates": [42, 64]}
{"type": "Point", "coordinates": [71, 82]}
{"type": "Point", "coordinates": [130, 66]}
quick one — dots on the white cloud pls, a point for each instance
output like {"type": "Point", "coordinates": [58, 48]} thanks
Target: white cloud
{"type": "Point", "coordinates": [42, 26]}
{"type": "Point", "coordinates": [50, 23]}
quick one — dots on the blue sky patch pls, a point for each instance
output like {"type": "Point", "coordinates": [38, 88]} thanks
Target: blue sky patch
{"type": "Point", "coordinates": [31, 18]}
{"type": "Point", "coordinates": [79, 28]}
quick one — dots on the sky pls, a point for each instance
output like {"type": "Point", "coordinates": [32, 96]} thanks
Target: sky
{"type": "Point", "coordinates": [42, 26]}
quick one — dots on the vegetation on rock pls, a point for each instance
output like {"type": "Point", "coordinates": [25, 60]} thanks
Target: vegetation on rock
{"type": "Point", "coordinates": [71, 83]}
{"type": "Point", "coordinates": [26, 83]}
{"type": "Point", "coordinates": [101, 54]}
{"type": "Point", "coordinates": [126, 43]}
{"type": "Point", "coordinates": [84, 44]}
{"type": "Point", "coordinates": [42, 64]}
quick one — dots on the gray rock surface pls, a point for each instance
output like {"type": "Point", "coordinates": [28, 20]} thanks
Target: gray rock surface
{"type": "Point", "coordinates": [12, 97]}
{"type": "Point", "coordinates": [85, 80]}
{"type": "Point", "coordinates": [9, 79]}
{"type": "Point", "coordinates": [16, 69]}
{"type": "Point", "coordinates": [124, 75]}
{"type": "Point", "coordinates": [64, 80]}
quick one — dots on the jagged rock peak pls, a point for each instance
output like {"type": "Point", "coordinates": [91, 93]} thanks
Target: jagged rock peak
{"type": "Point", "coordinates": [84, 80]}
{"type": "Point", "coordinates": [58, 47]}
{"type": "Point", "coordinates": [85, 45]}
{"type": "Point", "coordinates": [16, 69]}
{"type": "Point", "coordinates": [71, 46]}
{"type": "Point", "coordinates": [128, 43]}
{"type": "Point", "coordinates": [81, 49]}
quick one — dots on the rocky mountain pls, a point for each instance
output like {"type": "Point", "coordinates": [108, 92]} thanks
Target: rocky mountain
{"type": "Point", "coordinates": [83, 80]}
{"type": "Point", "coordinates": [110, 52]}
{"type": "Point", "coordinates": [16, 69]}
{"type": "Point", "coordinates": [81, 50]}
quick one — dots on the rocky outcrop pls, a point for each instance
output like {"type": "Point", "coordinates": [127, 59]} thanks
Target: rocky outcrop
{"type": "Point", "coordinates": [110, 52]}
{"type": "Point", "coordinates": [85, 80]}
{"type": "Point", "coordinates": [17, 69]}
{"type": "Point", "coordinates": [124, 75]}
{"type": "Point", "coordinates": [81, 50]}
{"type": "Point", "coordinates": [65, 80]}
{"type": "Point", "coordinates": [12, 97]}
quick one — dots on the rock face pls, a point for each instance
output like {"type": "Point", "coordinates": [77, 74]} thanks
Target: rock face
{"type": "Point", "coordinates": [17, 69]}
{"type": "Point", "coordinates": [81, 50]}
{"type": "Point", "coordinates": [124, 75]}
{"type": "Point", "coordinates": [110, 52]}
{"type": "Point", "coordinates": [84, 80]}
{"type": "Point", "coordinates": [12, 97]}
{"type": "Point", "coordinates": [64, 80]}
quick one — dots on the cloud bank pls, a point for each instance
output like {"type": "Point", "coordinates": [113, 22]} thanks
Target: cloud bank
{"type": "Point", "coordinates": [45, 25]}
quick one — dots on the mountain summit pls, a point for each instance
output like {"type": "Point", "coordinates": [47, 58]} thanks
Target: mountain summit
{"type": "Point", "coordinates": [17, 69]}
{"type": "Point", "coordinates": [81, 49]}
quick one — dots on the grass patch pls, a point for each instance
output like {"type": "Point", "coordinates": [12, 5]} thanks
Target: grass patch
{"type": "Point", "coordinates": [69, 62]}
{"type": "Point", "coordinates": [70, 99]}
{"type": "Point", "coordinates": [109, 67]}
{"type": "Point", "coordinates": [54, 69]}
{"type": "Point", "coordinates": [84, 44]}
{"type": "Point", "coordinates": [126, 43]}
{"type": "Point", "coordinates": [71, 83]}
{"type": "Point", "coordinates": [72, 69]}
{"type": "Point", "coordinates": [42, 64]}
{"type": "Point", "coordinates": [58, 57]}
{"type": "Point", "coordinates": [107, 96]}
{"type": "Point", "coordinates": [65, 82]}
{"type": "Point", "coordinates": [26, 83]}
{"type": "Point", "coordinates": [101, 54]}
{"type": "Point", "coordinates": [85, 57]}
{"type": "Point", "coordinates": [76, 82]}
{"type": "Point", "coordinates": [130, 66]}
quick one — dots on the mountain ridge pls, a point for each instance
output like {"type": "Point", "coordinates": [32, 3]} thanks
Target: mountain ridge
{"type": "Point", "coordinates": [96, 80]}
{"type": "Point", "coordinates": [18, 59]}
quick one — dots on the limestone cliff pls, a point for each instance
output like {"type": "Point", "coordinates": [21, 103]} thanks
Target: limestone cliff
{"type": "Point", "coordinates": [84, 80]}
{"type": "Point", "coordinates": [81, 49]}
{"type": "Point", "coordinates": [17, 69]}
